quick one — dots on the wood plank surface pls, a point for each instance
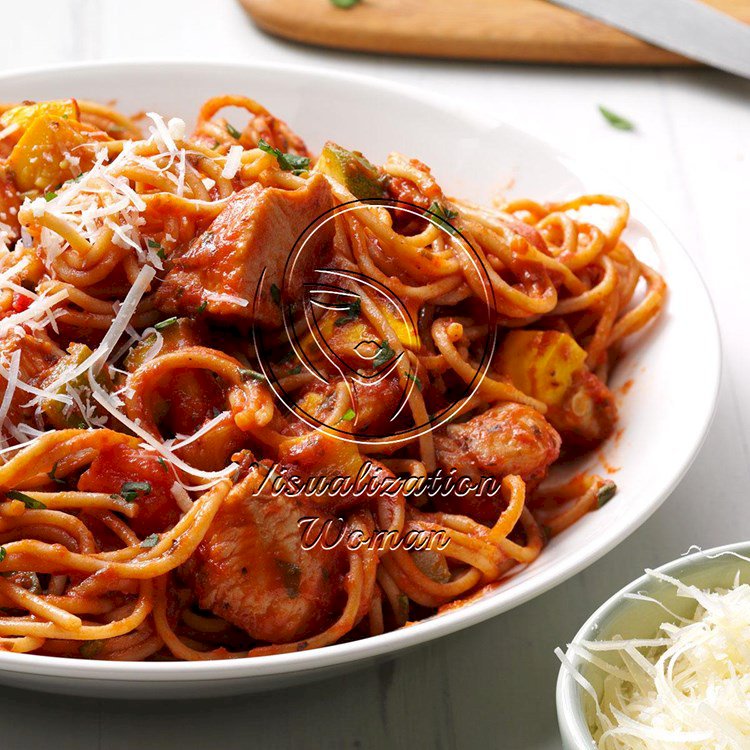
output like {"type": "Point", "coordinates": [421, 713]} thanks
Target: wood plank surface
{"type": "Point", "coordinates": [524, 30]}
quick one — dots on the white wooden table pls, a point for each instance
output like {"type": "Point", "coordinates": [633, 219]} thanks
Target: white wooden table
{"type": "Point", "coordinates": [493, 685]}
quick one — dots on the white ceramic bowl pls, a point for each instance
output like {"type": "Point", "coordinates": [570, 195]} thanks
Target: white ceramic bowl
{"type": "Point", "coordinates": [661, 435]}
{"type": "Point", "coordinates": [618, 616]}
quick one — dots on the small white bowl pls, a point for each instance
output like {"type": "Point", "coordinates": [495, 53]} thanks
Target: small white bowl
{"type": "Point", "coordinates": [628, 618]}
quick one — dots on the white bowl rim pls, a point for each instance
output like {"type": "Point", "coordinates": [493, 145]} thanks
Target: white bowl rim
{"type": "Point", "coordinates": [569, 709]}
{"type": "Point", "coordinates": [472, 613]}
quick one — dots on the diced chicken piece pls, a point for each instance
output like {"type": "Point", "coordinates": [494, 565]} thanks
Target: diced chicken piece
{"type": "Point", "coordinates": [587, 414]}
{"type": "Point", "coordinates": [252, 570]}
{"type": "Point", "coordinates": [256, 232]}
{"type": "Point", "coordinates": [507, 439]}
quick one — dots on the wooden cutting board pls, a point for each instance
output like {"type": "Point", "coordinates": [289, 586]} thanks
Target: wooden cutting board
{"type": "Point", "coordinates": [528, 30]}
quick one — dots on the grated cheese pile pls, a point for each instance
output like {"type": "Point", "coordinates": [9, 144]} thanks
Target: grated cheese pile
{"type": "Point", "coordinates": [103, 198]}
{"type": "Point", "coordinates": [99, 200]}
{"type": "Point", "coordinates": [686, 689]}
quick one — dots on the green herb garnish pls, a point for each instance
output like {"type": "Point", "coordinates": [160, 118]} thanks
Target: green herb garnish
{"type": "Point", "coordinates": [276, 294]}
{"type": "Point", "coordinates": [416, 380]}
{"type": "Point", "coordinates": [150, 541]}
{"type": "Point", "coordinates": [288, 162]}
{"type": "Point", "coordinates": [247, 374]}
{"type": "Point", "coordinates": [615, 120]}
{"type": "Point", "coordinates": [296, 370]}
{"type": "Point", "coordinates": [201, 308]}
{"type": "Point", "coordinates": [440, 215]}
{"type": "Point", "coordinates": [50, 195]}
{"type": "Point", "coordinates": [162, 324]}
{"type": "Point", "coordinates": [29, 502]}
{"type": "Point", "coordinates": [162, 463]}
{"type": "Point", "coordinates": [129, 490]}
{"type": "Point", "coordinates": [353, 310]}
{"type": "Point", "coordinates": [233, 131]}
{"type": "Point", "coordinates": [160, 251]}
{"type": "Point", "coordinates": [349, 415]}
{"type": "Point", "coordinates": [52, 474]}
{"type": "Point", "coordinates": [345, 4]}
{"type": "Point", "coordinates": [3, 553]}
{"type": "Point", "coordinates": [606, 493]}
{"type": "Point", "coordinates": [384, 355]}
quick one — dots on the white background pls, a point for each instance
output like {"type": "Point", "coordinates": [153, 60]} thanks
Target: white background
{"type": "Point", "coordinates": [493, 685]}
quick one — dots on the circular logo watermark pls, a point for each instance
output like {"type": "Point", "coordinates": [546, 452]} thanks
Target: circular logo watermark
{"type": "Point", "coordinates": [340, 325]}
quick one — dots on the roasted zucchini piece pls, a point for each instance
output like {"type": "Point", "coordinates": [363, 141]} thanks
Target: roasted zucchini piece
{"type": "Point", "coordinates": [541, 363]}
{"type": "Point", "coordinates": [47, 153]}
{"type": "Point", "coordinates": [63, 416]}
{"type": "Point", "coordinates": [24, 114]}
{"type": "Point", "coordinates": [361, 178]}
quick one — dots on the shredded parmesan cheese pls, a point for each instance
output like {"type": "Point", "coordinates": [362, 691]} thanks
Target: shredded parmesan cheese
{"type": "Point", "coordinates": [232, 164]}
{"type": "Point", "coordinates": [230, 298]}
{"type": "Point", "coordinates": [688, 688]}
{"type": "Point", "coordinates": [96, 360]}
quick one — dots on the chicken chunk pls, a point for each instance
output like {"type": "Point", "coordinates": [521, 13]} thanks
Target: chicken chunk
{"type": "Point", "coordinates": [253, 570]}
{"type": "Point", "coordinates": [507, 439]}
{"type": "Point", "coordinates": [255, 233]}
{"type": "Point", "coordinates": [587, 414]}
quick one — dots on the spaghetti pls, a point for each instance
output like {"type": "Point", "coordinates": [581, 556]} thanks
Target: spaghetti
{"type": "Point", "coordinates": [166, 389]}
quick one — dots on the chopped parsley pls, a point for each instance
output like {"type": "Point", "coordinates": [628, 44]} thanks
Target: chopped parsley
{"type": "Point", "coordinates": [384, 355]}
{"type": "Point", "coordinates": [150, 541]}
{"type": "Point", "coordinates": [288, 162]}
{"type": "Point", "coordinates": [276, 294]}
{"type": "Point", "coordinates": [247, 374]}
{"type": "Point", "coordinates": [606, 493]}
{"type": "Point", "coordinates": [3, 553]}
{"type": "Point", "coordinates": [162, 324]}
{"type": "Point", "coordinates": [439, 215]}
{"type": "Point", "coordinates": [50, 195]}
{"type": "Point", "coordinates": [130, 490]}
{"type": "Point", "coordinates": [296, 370]}
{"type": "Point", "coordinates": [233, 131]}
{"type": "Point", "coordinates": [345, 4]}
{"type": "Point", "coordinates": [201, 308]}
{"type": "Point", "coordinates": [162, 463]}
{"type": "Point", "coordinates": [615, 120]}
{"type": "Point", "coordinates": [160, 251]}
{"type": "Point", "coordinates": [29, 502]}
{"type": "Point", "coordinates": [352, 311]}
{"type": "Point", "coordinates": [53, 474]}
{"type": "Point", "coordinates": [349, 415]}
{"type": "Point", "coordinates": [416, 380]}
